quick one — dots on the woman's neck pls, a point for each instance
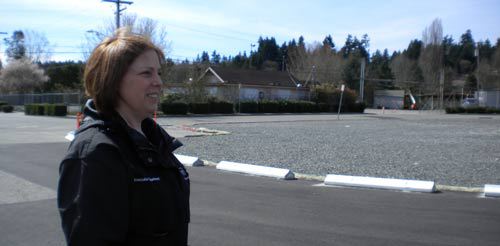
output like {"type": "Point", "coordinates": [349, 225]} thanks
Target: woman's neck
{"type": "Point", "coordinates": [131, 120]}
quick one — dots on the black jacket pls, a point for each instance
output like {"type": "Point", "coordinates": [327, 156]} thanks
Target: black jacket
{"type": "Point", "coordinates": [118, 187]}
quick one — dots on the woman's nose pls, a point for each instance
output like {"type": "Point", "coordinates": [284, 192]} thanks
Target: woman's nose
{"type": "Point", "coordinates": [157, 80]}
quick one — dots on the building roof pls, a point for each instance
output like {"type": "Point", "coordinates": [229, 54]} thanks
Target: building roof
{"type": "Point", "coordinates": [252, 77]}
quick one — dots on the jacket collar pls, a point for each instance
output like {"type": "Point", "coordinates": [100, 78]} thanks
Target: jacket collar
{"type": "Point", "coordinates": [155, 134]}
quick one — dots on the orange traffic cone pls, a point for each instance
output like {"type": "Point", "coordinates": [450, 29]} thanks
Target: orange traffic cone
{"type": "Point", "coordinates": [79, 118]}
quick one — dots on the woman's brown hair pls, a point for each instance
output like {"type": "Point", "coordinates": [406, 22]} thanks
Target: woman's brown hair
{"type": "Point", "coordinates": [109, 62]}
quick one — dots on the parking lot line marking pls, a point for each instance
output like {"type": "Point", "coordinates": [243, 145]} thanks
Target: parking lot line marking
{"type": "Point", "coordinates": [14, 189]}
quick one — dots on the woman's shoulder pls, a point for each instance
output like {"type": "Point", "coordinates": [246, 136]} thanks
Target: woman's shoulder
{"type": "Point", "coordinates": [92, 140]}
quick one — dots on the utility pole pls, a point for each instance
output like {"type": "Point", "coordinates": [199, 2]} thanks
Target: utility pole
{"type": "Point", "coordinates": [441, 88]}
{"type": "Point", "coordinates": [362, 81]}
{"type": "Point", "coordinates": [118, 10]}
{"type": "Point", "coordinates": [476, 52]}
{"type": "Point", "coordinates": [283, 64]}
{"type": "Point", "coordinates": [251, 51]}
{"type": "Point", "coordinates": [314, 74]}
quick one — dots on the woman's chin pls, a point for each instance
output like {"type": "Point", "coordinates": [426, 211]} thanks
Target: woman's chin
{"type": "Point", "coordinates": [152, 110]}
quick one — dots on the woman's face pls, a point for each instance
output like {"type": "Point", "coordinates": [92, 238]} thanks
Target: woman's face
{"type": "Point", "coordinates": [141, 86]}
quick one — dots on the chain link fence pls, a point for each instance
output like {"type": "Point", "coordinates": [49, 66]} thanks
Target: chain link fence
{"type": "Point", "coordinates": [70, 99]}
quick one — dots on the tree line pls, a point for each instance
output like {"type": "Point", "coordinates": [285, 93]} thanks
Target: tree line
{"type": "Point", "coordinates": [429, 65]}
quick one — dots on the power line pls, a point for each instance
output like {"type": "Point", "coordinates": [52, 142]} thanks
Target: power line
{"type": "Point", "coordinates": [209, 33]}
{"type": "Point", "coordinates": [53, 52]}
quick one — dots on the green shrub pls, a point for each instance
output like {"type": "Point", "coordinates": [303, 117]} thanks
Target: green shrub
{"type": "Point", "coordinates": [174, 104]}
{"type": "Point", "coordinates": [305, 107]}
{"type": "Point", "coordinates": [460, 110]}
{"type": "Point", "coordinates": [335, 108]}
{"type": "Point", "coordinates": [46, 109]}
{"type": "Point", "coordinates": [175, 97]}
{"type": "Point", "coordinates": [287, 106]}
{"type": "Point", "coordinates": [472, 110]}
{"type": "Point", "coordinates": [31, 109]}
{"type": "Point", "coordinates": [199, 108]}
{"type": "Point", "coordinates": [2, 103]}
{"type": "Point", "coordinates": [7, 108]}
{"type": "Point", "coordinates": [221, 107]}
{"type": "Point", "coordinates": [492, 110]}
{"type": "Point", "coordinates": [28, 109]}
{"type": "Point", "coordinates": [268, 106]}
{"type": "Point", "coordinates": [175, 107]}
{"type": "Point", "coordinates": [358, 107]}
{"type": "Point", "coordinates": [40, 109]}
{"type": "Point", "coordinates": [451, 110]}
{"type": "Point", "coordinates": [249, 107]}
{"type": "Point", "coordinates": [60, 110]}
{"type": "Point", "coordinates": [323, 107]}
{"type": "Point", "coordinates": [282, 106]}
{"type": "Point", "coordinates": [345, 108]}
{"type": "Point", "coordinates": [329, 93]}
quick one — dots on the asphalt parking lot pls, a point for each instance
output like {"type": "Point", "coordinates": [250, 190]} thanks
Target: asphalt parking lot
{"type": "Point", "coordinates": [235, 209]}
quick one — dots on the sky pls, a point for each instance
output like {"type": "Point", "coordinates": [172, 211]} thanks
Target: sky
{"type": "Point", "coordinates": [231, 26]}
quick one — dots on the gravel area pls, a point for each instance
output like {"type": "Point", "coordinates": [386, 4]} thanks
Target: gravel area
{"type": "Point", "coordinates": [451, 150]}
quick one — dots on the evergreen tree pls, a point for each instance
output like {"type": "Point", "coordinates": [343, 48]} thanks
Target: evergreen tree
{"type": "Point", "coordinates": [356, 47]}
{"type": "Point", "coordinates": [348, 46]}
{"type": "Point", "coordinates": [267, 52]}
{"type": "Point", "coordinates": [16, 49]}
{"type": "Point", "coordinates": [328, 42]}
{"type": "Point", "coordinates": [204, 57]}
{"type": "Point", "coordinates": [239, 60]}
{"type": "Point", "coordinates": [467, 46]}
{"type": "Point", "coordinates": [215, 58]}
{"type": "Point", "coordinates": [466, 59]}
{"type": "Point", "coordinates": [379, 66]}
{"type": "Point", "coordinates": [413, 50]}
{"type": "Point", "coordinates": [486, 51]}
{"type": "Point", "coordinates": [301, 41]}
{"type": "Point", "coordinates": [353, 51]}
{"type": "Point", "coordinates": [451, 52]}
{"type": "Point", "coordinates": [351, 71]}
{"type": "Point", "coordinates": [63, 75]}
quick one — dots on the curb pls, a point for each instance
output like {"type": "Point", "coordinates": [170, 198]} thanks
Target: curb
{"type": "Point", "coordinates": [70, 136]}
{"type": "Point", "coordinates": [459, 188]}
{"type": "Point", "coordinates": [380, 183]}
{"type": "Point", "coordinates": [279, 173]}
{"type": "Point", "coordinates": [189, 160]}
{"type": "Point", "coordinates": [492, 190]}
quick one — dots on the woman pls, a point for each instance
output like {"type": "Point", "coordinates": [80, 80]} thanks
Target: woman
{"type": "Point", "coordinates": [119, 183]}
